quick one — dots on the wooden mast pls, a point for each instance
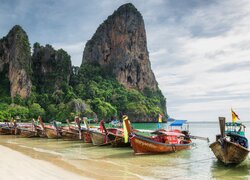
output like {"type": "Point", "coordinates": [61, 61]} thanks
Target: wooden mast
{"type": "Point", "coordinates": [222, 121]}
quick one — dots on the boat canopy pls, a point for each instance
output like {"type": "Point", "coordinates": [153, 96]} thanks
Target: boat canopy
{"type": "Point", "coordinates": [235, 128]}
{"type": "Point", "coordinates": [178, 123]}
{"type": "Point", "coordinates": [233, 124]}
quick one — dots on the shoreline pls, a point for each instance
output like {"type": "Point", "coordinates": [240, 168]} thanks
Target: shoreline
{"type": "Point", "coordinates": [31, 162]}
{"type": "Point", "coordinates": [17, 165]}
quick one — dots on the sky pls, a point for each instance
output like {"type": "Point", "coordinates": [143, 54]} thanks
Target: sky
{"type": "Point", "coordinates": [199, 49]}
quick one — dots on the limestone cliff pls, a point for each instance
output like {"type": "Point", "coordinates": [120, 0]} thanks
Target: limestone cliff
{"type": "Point", "coordinates": [119, 45]}
{"type": "Point", "coordinates": [15, 61]}
{"type": "Point", "coordinates": [51, 68]}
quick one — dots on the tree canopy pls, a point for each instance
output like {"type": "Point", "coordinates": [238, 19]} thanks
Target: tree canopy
{"type": "Point", "coordinates": [89, 92]}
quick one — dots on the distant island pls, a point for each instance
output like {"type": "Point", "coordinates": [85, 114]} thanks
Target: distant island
{"type": "Point", "coordinates": [115, 76]}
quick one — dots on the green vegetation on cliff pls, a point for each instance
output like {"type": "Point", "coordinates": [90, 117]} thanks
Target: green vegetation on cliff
{"type": "Point", "coordinates": [60, 91]}
{"type": "Point", "coordinates": [51, 68]}
{"type": "Point", "coordinates": [107, 97]}
{"type": "Point", "coordinates": [89, 93]}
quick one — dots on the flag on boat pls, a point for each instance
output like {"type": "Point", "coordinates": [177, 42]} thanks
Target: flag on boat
{"type": "Point", "coordinates": [234, 116]}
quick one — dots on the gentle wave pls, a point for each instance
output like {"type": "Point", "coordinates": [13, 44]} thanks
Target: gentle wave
{"type": "Point", "coordinates": [38, 149]}
{"type": "Point", "coordinates": [47, 151]}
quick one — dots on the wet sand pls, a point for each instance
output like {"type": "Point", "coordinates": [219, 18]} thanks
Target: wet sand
{"type": "Point", "coordinates": [54, 160]}
{"type": "Point", "coordinates": [17, 166]}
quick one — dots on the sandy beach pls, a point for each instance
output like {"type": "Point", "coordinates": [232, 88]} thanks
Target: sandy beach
{"type": "Point", "coordinates": [17, 166]}
{"type": "Point", "coordinates": [26, 159]}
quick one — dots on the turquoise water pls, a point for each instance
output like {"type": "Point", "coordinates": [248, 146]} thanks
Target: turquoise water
{"type": "Point", "coordinates": [120, 163]}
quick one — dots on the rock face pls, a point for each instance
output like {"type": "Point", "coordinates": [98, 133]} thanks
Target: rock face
{"type": "Point", "coordinates": [51, 68]}
{"type": "Point", "coordinates": [119, 45]}
{"type": "Point", "coordinates": [15, 61]}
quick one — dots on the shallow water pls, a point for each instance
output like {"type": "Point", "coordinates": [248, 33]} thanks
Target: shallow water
{"type": "Point", "coordinates": [112, 163]}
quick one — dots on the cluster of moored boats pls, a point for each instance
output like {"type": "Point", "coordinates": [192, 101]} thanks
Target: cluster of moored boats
{"type": "Point", "coordinates": [160, 140]}
{"type": "Point", "coordinates": [231, 146]}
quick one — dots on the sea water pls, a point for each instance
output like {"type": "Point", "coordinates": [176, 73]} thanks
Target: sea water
{"type": "Point", "coordinates": [120, 163]}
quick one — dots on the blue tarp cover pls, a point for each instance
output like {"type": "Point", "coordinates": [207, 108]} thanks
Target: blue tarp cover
{"type": "Point", "coordinates": [178, 122]}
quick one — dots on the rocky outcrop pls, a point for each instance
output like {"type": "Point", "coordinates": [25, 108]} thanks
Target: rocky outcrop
{"type": "Point", "coordinates": [78, 106]}
{"type": "Point", "coordinates": [119, 45]}
{"type": "Point", "coordinates": [51, 68]}
{"type": "Point", "coordinates": [15, 61]}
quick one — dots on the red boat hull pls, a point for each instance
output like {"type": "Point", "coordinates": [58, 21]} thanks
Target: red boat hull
{"type": "Point", "coordinates": [86, 136]}
{"type": "Point", "coordinates": [144, 145]}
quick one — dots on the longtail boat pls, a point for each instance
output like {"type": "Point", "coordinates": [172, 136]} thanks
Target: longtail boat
{"type": "Point", "coordinates": [40, 131]}
{"type": "Point", "coordinates": [116, 136]}
{"type": "Point", "coordinates": [108, 136]}
{"type": "Point", "coordinates": [9, 128]}
{"type": "Point", "coordinates": [52, 132]}
{"type": "Point", "coordinates": [99, 137]}
{"type": "Point", "coordinates": [231, 146]}
{"type": "Point", "coordinates": [5, 129]}
{"type": "Point", "coordinates": [40, 128]}
{"type": "Point", "coordinates": [16, 130]}
{"type": "Point", "coordinates": [164, 141]}
{"type": "Point", "coordinates": [72, 132]}
{"type": "Point", "coordinates": [28, 132]}
{"type": "Point", "coordinates": [85, 131]}
{"type": "Point", "coordinates": [86, 136]}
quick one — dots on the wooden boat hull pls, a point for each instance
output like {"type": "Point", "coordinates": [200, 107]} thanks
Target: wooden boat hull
{"type": "Point", "coordinates": [52, 133]}
{"type": "Point", "coordinates": [144, 145]}
{"type": "Point", "coordinates": [41, 133]}
{"type": "Point", "coordinates": [5, 130]}
{"type": "Point", "coordinates": [117, 140]}
{"type": "Point", "coordinates": [17, 131]}
{"type": "Point", "coordinates": [98, 138]}
{"type": "Point", "coordinates": [229, 152]}
{"type": "Point", "coordinates": [73, 134]}
{"type": "Point", "coordinates": [86, 136]}
{"type": "Point", "coordinates": [27, 133]}
{"type": "Point", "coordinates": [70, 134]}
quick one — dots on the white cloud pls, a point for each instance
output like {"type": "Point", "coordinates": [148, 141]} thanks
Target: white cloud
{"type": "Point", "coordinates": [198, 74]}
{"type": "Point", "coordinates": [199, 50]}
